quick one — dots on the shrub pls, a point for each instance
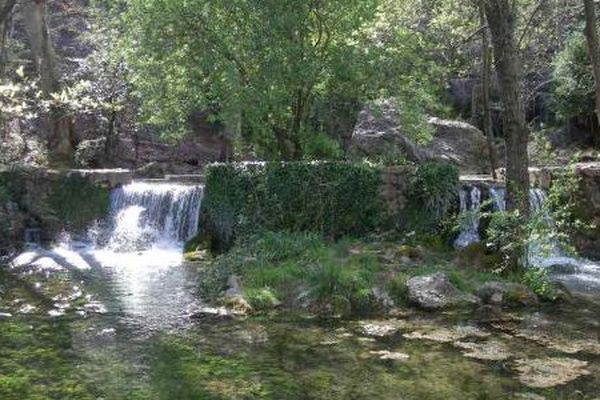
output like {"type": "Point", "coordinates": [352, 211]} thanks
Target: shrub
{"type": "Point", "coordinates": [432, 196]}
{"type": "Point", "coordinates": [537, 279]}
{"type": "Point", "coordinates": [332, 199]}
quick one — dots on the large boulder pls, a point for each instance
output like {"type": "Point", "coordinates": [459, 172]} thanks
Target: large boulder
{"type": "Point", "coordinates": [434, 292]}
{"type": "Point", "coordinates": [379, 131]}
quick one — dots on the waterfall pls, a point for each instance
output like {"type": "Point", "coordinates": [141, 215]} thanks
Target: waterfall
{"type": "Point", "coordinates": [469, 209]}
{"type": "Point", "coordinates": [144, 214]}
{"type": "Point", "coordinates": [580, 274]}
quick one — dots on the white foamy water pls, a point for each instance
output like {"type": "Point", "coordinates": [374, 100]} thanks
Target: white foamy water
{"type": "Point", "coordinates": [469, 209]}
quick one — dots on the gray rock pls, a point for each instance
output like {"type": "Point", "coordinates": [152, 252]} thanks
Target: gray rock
{"type": "Point", "coordinates": [434, 292]}
{"type": "Point", "coordinates": [507, 294]}
{"type": "Point", "coordinates": [379, 131]}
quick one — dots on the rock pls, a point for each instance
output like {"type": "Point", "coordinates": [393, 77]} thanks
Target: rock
{"type": "Point", "coordinates": [549, 372]}
{"type": "Point", "coordinates": [212, 313]}
{"type": "Point", "coordinates": [434, 292]}
{"type": "Point", "coordinates": [491, 350]}
{"type": "Point", "coordinates": [389, 355]}
{"type": "Point", "coordinates": [382, 298]}
{"type": "Point", "coordinates": [446, 335]}
{"type": "Point", "coordinates": [507, 294]}
{"type": "Point", "coordinates": [152, 170]}
{"type": "Point", "coordinates": [382, 328]}
{"type": "Point", "coordinates": [234, 296]}
{"type": "Point", "coordinates": [459, 143]}
{"type": "Point", "coordinates": [379, 132]}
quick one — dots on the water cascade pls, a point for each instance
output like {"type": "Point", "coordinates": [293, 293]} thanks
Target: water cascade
{"type": "Point", "coordinates": [470, 203]}
{"type": "Point", "coordinates": [136, 256]}
{"type": "Point", "coordinates": [145, 214]}
{"type": "Point", "coordinates": [580, 274]}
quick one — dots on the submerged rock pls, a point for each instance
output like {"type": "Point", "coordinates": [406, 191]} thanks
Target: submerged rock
{"type": "Point", "coordinates": [390, 355]}
{"type": "Point", "coordinates": [562, 344]}
{"type": "Point", "coordinates": [434, 292]}
{"type": "Point", "coordinates": [507, 294]}
{"type": "Point", "coordinates": [382, 328]}
{"type": "Point", "coordinates": [549, 372]}
{"type": "Point", "coordinates": [447, 335]}
{"type": "Point", "coordinates": [490, 350]}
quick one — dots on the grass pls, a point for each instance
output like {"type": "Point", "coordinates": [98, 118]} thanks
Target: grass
{"type": "Point", "coordinates": [303, 270]}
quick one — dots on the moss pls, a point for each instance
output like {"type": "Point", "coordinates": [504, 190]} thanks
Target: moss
{"type": "Point", "coordinates": [77, 203]}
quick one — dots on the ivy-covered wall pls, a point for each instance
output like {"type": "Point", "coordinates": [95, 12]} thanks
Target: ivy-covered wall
{"type": "Point", "coordinates": [331, 198]}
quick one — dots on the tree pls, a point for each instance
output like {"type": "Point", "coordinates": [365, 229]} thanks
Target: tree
{"type": "Point", "coordinates": [59, 125]}
{"type": "Point", "coordinates": [486, 79]}
{"type": "Point", "coordinates": [266, 65]}
{"type": "Point", "coordinates": [501, 17]}
{"type": "Point", "coordinates": [591, 35]}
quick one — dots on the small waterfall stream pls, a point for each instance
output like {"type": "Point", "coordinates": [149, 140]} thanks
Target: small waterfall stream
{"type": "Point", "coordinates": [469, 209]}
{"type": "Point", "coordinates": [144, 214]}
{"type": "Point", "coordinates": [580, 274]}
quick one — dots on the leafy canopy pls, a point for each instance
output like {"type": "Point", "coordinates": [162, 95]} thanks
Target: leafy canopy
{"type": "Point", "coordinates": [262, 66]}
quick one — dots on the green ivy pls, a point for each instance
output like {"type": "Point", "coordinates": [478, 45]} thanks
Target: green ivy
{"type": "Point", "coordinates": [77, 203]}
{"type": "Point", "coordinates": [432, 197]}
{"type": "Point", "coordinates": [331, 198]}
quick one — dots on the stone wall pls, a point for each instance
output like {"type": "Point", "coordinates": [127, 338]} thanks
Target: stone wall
{"type": "Point", "coordinates": [395, 182]}
{"type": "Point", "coordinates": [52, 200]}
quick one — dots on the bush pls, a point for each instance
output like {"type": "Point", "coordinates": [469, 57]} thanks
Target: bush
{"type": "Point", "coordinates": [333, 199]}
{"type": "Point", "coordinates": [432, 196]}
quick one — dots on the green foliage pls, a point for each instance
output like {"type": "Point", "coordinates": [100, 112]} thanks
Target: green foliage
{"type": "Point", "coordinates": [321, 147]}
{"type": "Point", "coordinates": [508, 234]}
{"type": "Point", "coordinates": [288, 267]}
{"type": "Point", "coordinates": [269, 65]}
{"type": "Point", "coordinates": [538, 281]}
{"type": "Point", "coordinates": [574, 90]}
{"type": "Point", "coordinates": [397, 287]}
{"type": "Point", "coordinates": [68, 196]}
{"type": "Point", "coordinates": [334, 199]}
{"type": "Point", "coordinates": [432, 196]}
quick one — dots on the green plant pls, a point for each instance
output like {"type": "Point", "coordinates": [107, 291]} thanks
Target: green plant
{"type": "Point", "coordinates": [321, 147]}
{"type": "Point", "coordinates": [433, 193]}
{"type": "Point", "coordinates": [397, 287]}
{"type": "Point", "coordinates": [261, 299]}
{"type": "Point", "coordinates": [574, 89]}
{"type": "Point", "coordinates": [538, 281]}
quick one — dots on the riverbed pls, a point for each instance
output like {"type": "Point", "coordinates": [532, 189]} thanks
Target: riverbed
{"type": "Point", "coordinates": [118, 329]}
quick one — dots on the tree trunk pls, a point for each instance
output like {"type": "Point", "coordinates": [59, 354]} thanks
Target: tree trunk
{"type": "Point", "coordinates": [486, 78]}
{"type": "Point", "coordinates": [591, 35]}
{"type": "Point", "coordinates": [501, 20]}
{"type": "Point", "coordinates": [6, 7]}
{"type": "Point", "coordinates": [60, 135]}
